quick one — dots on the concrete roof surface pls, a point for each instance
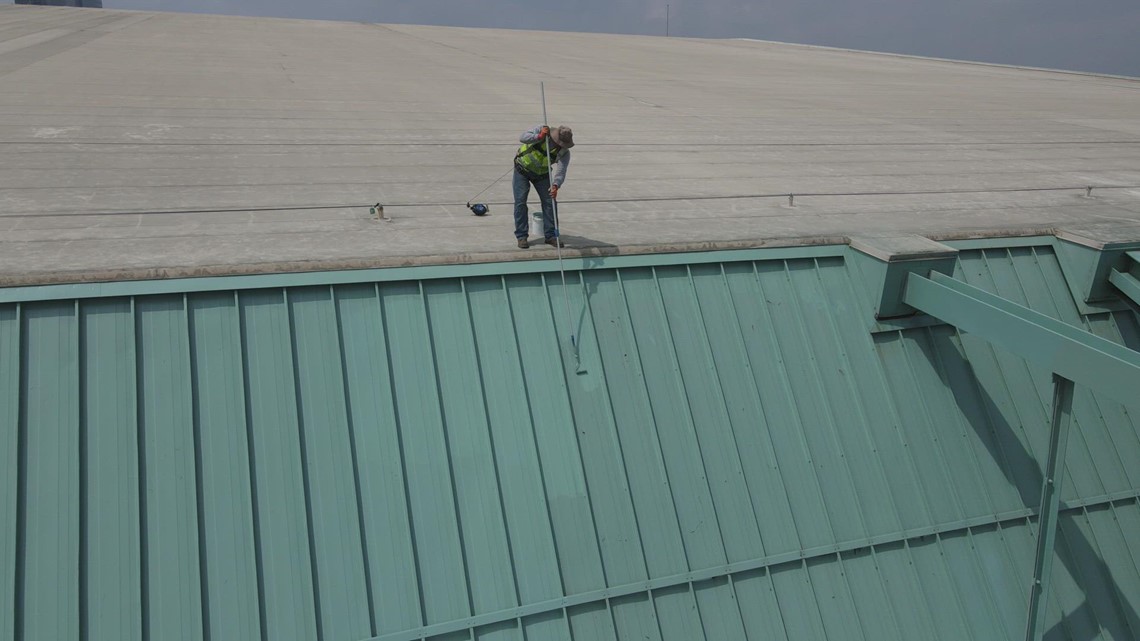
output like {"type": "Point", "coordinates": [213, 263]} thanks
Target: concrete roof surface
{"type": "Point", "coordinates": [143, 145]}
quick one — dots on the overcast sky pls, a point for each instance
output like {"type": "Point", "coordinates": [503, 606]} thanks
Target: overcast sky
{"type": "Point", "coordinates": [1086, 35]}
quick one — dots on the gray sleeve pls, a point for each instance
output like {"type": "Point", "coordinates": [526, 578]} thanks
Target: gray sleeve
{"type": "Point", "coordinates": [561, 166]}
{"type": "Point", "coordinates": [530, 135]}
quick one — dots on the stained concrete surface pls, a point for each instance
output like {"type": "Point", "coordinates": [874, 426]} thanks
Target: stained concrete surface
{"type": "Point", "coordinates": [142, 145]}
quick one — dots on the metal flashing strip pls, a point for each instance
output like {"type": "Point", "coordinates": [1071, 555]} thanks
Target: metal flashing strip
{"type": "Point", "coordinates": [594, 596]}
{"type": "Point", "coordinates": [389, 274]}
{"type": "Point", "coordinates": [969, 244]}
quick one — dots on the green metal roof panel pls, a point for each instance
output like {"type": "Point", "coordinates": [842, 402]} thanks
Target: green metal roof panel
{"type": "Point", "coordinates": [736, 456]}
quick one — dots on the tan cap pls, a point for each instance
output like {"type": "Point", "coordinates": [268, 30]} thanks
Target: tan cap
{"type": "Point", "coordinates": [562, 136]}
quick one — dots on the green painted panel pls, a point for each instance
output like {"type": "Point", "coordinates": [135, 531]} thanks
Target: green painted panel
{"type": "Point", "coordinates": [112, 552]}
{"type": "Point", "coordinates": [376, 441]}
{"type": "Point", "coordinates": [474, 468]}
{"type": "Point", "coordinates": [677, 611]}
{"type": "Point", "coordinates": [636, 618]}
{"type": "Point", "coordinates": [281, 525]}
{"type": "Point", "coordinates": [342, 592]}
{"type": "Point", "coordinates": [49, 607]}
{"type": "Point", "coordinates": [10, 377]}
{"type": "Point", "coordinates": [759, 607]}
{"type": "Point", "coordinates": [172, 579]}
{"type": "Point", "coordinates": [356, 459]}
{"type": "Point", "coordinates": [719, 609]}
{"type": "Point", "coordinates": [230, 586]}
{"type": "Point", "coordinates": [553, 419]}
{"type": "Point", "coordinates": [798, 607]}
{"type": "Point", "coordinates": [869, 595]}
{"type": "Point", "coordinates": [438, 543]}
{"type": "Point", "coordinates": [821, 454]}
{"type": "Point", "coordinates": [846, 415]}
{"type": "Point", "coordinates": [507, 395]}
{"type": "Point", "coordinates": [592, 621]}
{"type": "Point", "coordinates": [638, 442]}
{"type": "Point", "coordinates": [702, 386]}
{"type": "Point", "coordinates": [613, 511]}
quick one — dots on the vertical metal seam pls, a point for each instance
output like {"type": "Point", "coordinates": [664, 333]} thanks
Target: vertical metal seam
{"type": "Point", "coordinates": [652, 413]}
{"type": "Point", "coordinates": [19, 588]}
{"type": "Point", "coordinates": [403, 463]}
{"type": "Point", "coordinates": [350, 424]}
{"type": "Point", "coordinates": [767, 423]}
{"type": "Point", "coordinates": [1005, 383]}
{"type": "Point", "coordinates": [80, 401]}
{"type": "Point", "coordinates": [946, 563]}
{"type": "Point", "coordinates": [140, 451]}
{"type": "Point", "coordinates": [314, 568]}
{"type": "Point", "coordinates": [800, 428]}
{"type": "Point", "coordinates": [864, 418]}
{"type": "Point", "coordinates": [833, 432]}
{"type": "Point", "coordinates": [1135, 567]}
{"type": "Point", "coordinates": [991, 352]}
{"type": "Point", "coordinates": [683, 394]}
{"type": "Point", "coordinates": [942, 458]}
{"type": "Point", "coordinates": [865, 429]}
{"type": "Point", "coordinates": [790, 397]}
{"type": "Point", "coordinates": [959, 507]}
{"type": "Point", "coordinates": [491, 443]}
{"type": "Point", "coordinates": [891, 610]}
{"type": "Point", "coordinates": [199, 489]}
{"type": "Point", "coordinates": [1078, 569]}
{"type": "Point", "coordinates": [577, 441]}
{"type": "Point", "coordinates": [1005, 463]}
{"type": "Point", "coordinates": [731, 581]}
{"type": "Point", "coordinates": [1075, 428]}
{"type": "Point", "coordinates": [920, 587]}
{"type": "Point", "coordinates": [948, 392]}
{"type": "Point", "coordinates": [621, 458]}
{"type": "Point", "coordinates": [711, 362]}
{"type": "Point", "coordinates": [617, 444]}
{"type": "Point", "coordinates": [467, 582]}
{"type": "Point", "coordinates": [247, 415]}
{"type": "Point", "coordinates": [1089, 393]}
{"type": "Point", "coordinates": [991, 596]}
{"type": "Point", "coordinates": [886, 389]}
{"type": "Point", "coordinates": [850, 594]}
{"type": "Point", "coordinates": [940, 365]}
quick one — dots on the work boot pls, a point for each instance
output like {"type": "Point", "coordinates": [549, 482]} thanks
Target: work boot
{"type": "Point", "coordinates": [554, 242]}
{"type": "Point", "coordinates": [523, 243]}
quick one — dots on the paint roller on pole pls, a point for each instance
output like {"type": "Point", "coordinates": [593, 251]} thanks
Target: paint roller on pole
{"type": "Point", "coordinates": [557, 232]}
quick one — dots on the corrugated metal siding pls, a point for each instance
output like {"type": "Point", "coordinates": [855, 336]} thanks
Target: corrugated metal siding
{"type": "Point", "coordinates": [737, 457]}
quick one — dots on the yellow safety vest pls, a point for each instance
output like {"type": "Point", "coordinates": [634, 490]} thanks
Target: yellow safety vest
{"type": "Point", "coordinates": [531, 158]}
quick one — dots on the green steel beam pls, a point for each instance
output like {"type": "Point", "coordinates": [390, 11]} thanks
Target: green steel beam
{"type": "Point", "coordinates": [641, 587]}
{"type": "Point", "coordinates": [1050, 501]}
{"type": "Point", "coordinates": [1079, 356]}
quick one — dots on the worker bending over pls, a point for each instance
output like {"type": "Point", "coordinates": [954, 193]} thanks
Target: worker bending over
{"type": "Point", "coordinates": [533, 167]}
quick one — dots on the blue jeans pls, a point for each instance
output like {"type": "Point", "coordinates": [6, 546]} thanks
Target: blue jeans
{"type": "Point", "coordinates": [521, 186]}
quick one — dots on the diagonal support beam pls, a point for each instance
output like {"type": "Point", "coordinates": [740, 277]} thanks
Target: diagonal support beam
{"type": "Point", "coordinates": [1050, 502]}
{"type": "Point", "coordinates": [1081, 357]}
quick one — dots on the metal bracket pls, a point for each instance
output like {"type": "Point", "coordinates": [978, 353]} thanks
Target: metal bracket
{"type": "Point", "coordinates": [881, 264]}
{"type": "Point", "coordinates": [1088, 257]}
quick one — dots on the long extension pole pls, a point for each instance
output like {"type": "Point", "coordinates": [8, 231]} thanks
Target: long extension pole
{"type": "Point", "coordinates": [557, 228]}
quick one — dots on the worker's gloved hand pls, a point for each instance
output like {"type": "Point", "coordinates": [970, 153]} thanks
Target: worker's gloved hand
{"type": "Point", "coordinates": [543, 133]}
{"type": "Point", "coordinates": [554, 191]}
